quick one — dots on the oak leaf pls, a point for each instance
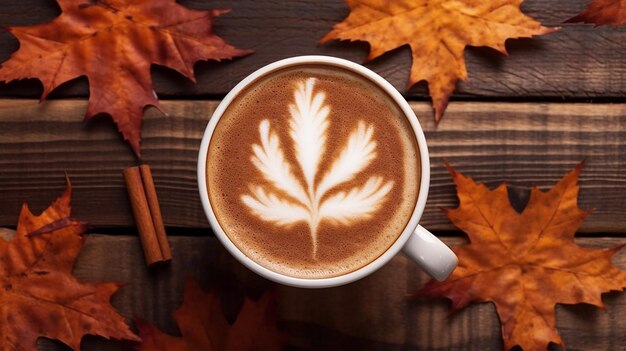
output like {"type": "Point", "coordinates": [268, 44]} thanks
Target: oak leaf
{"type": "Point", "coordinates": [437, 32]}
{"type": "Point", "coordinates": [203, 326]}
{"type": "Point", "coordinates": [114, 43]}
{"type": "Point", "coordinates": [525, 263]}
{"type": "Point", "coordinates": [39, 297]}
{"type": "Point", "coordinates": [601, 12]}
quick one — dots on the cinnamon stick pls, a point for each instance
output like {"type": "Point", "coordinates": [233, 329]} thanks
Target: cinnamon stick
{"type": "Point", "coordinates": [143, 216]}
{"type": "Point", "coordinates": [155, 210]}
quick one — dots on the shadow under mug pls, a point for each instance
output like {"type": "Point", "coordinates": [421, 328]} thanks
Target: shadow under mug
{"type": "Point", "coordinates": [430, 253]}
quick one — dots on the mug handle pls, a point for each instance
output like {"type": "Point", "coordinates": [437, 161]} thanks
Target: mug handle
{"type": "Point", "coordinates": [430, 253]}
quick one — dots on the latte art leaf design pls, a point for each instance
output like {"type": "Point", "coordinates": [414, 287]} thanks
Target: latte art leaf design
{"type": "Point", "coordinates": [291, 200]}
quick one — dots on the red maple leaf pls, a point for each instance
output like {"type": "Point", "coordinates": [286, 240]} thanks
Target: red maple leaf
{"type": "Point", "coordinates": [114, 43]}
{"type": "Point", "coordinates": [39, 297]}
{"type": "Point", "coordinates": [600, 12]}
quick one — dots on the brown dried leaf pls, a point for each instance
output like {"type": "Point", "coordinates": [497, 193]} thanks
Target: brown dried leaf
{"type": "Point", "coordinates": [203, 326]}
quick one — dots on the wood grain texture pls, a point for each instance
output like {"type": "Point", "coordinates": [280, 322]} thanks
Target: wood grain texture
{"type": "Point", "coordinates": [577, 62]}
{"type": "Point", "coordinates": [371, 314]}
{"type": "Point", "coordinates": [522, 143]}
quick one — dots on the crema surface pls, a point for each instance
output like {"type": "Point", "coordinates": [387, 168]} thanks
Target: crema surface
{"type": "Point", "coordinates": [313, 171]}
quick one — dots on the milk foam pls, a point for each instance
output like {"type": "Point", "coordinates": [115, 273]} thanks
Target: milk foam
{"type": "Point", "coordinates": [309, 122]}
{"type": "Point", "coordinates": [313, 171]}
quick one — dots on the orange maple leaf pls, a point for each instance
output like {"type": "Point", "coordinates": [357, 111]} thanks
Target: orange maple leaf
{"type": "Point", "coordinates": [114, 43]}
{"type": "Point", "coordinates": [203, 326]}
{"type": "Point", "coordinates": [600, 12]}
{"type": "Point", "coordinates": [39, 297]}
{"type": "Point", "coordinates": [437, 32]}
{"type": "Point", "coordinates": [525, 263]}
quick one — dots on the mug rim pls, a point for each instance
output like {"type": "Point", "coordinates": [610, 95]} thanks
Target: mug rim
{"type": "Point", "coordinates": [409, 228]}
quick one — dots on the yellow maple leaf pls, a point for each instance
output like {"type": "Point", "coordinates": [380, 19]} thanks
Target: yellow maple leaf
{"type": "Point", "coordinates": [525, 263]}
{"type": "Point", "coordinates": [437, 32]}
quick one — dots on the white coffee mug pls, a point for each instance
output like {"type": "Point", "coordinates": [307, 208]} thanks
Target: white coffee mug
{"type": "Point", "coordinates": [416, 242]}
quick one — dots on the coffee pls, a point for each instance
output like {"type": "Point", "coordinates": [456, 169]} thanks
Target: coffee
{"type": "Point", "coordinates": [313, 171]}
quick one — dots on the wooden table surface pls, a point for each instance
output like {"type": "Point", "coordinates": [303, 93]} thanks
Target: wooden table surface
{"type": "Point", "coordinates": [526, 119]}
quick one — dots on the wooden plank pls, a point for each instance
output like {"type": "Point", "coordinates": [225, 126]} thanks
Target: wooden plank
{"type": "Point", "coordinates": [577, 62]}
{"type": "Point", "coordinates": [522, 143]}
{"type": "Point", "coordinates": [371, 314]}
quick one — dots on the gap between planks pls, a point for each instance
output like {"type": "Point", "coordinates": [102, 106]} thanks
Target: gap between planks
{"type": "Point", "coordinates": [522, 143]}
